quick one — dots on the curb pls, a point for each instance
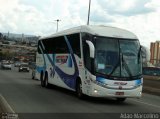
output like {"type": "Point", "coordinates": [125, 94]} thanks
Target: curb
{"type": "Point", "coordinates": [6, 108]}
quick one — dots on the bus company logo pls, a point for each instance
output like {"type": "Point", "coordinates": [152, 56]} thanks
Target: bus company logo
{"type": "Point", "coordinates": [61, 59]}
{"type": "Point", "coordinates": [120, 83]}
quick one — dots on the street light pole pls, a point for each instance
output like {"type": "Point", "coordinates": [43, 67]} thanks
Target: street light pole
{"type": "Point", "coordinates": [57, 24]}
{"type": "Point", "coordinates": [89, 12]}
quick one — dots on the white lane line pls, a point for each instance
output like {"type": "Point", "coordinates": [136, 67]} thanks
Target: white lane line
{"type": "Point", "coordinates": [5, 106]}
{"type": "Point", "coordinates": [146, 103]}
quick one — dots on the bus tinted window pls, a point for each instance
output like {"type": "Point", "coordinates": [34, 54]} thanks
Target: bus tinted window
{"type": "Point", "coordinates": [38, 48]}
{"type": "Point", "coordinates": [74, 41]}
{"type": "Point", "coordinates": [54, 45]}
{"type": "Point", "coordinates": [60, 45]}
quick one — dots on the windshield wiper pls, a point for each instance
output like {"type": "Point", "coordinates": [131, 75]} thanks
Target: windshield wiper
{"type": "Point", "coordinates": [114, 68]}
{"type": "Point", "coordinates": [139, 52]}
{"type": "Point", "coordinates": [126, 66]}
{"type": "Point", "coordinates": [118, 64]}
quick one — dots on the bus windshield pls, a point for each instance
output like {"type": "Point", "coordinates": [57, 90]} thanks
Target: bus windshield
{"type": "Point", "coordinates": [117, 57]}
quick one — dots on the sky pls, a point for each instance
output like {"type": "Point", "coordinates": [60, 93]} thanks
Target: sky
{"type": "Point", "coordinates": [37, 17]}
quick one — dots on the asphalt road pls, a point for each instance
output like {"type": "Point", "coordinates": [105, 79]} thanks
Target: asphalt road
{"type": "Point", "coordinates": [152, 83]}
{"type": "Point", "coordinates": [25, 95]}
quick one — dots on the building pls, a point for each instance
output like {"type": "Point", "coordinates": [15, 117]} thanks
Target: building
{"type": "Point", "coordinates": [155, 53]}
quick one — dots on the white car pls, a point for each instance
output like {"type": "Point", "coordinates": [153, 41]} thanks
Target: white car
{"type": "Point", "coordinates": [24, 67]}
{"type": "Point", "coordinates": [17, 64]}
{"type": "Point", "coordinates": [6, 66]}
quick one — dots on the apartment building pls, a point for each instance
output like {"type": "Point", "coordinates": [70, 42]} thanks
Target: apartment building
{"type": "Point", "coordinates": [155, 52]}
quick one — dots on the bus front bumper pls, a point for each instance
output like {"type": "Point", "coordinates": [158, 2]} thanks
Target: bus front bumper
{"type": "Point", "coordinates": [99, 91]}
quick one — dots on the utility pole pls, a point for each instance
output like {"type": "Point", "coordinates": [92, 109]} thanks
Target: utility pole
{"type": "Point", "coordinates": [89, 12]}
{"type": "Point", "coordinates": [57, 24]}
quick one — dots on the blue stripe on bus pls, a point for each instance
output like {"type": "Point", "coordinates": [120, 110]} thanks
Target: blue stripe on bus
{"type": "Point", "coordinates": [100, 79]}
{"type": "Point", "coordinates": [69, 62]}
{"type": "Point", "coordinates": [43, 68]}
{"type": "Point", "coordinates": [39, 69]}
{"type": "Point", "coordinates": [69, 80]}
{"type": "Point", "coordinates": [138, 82]}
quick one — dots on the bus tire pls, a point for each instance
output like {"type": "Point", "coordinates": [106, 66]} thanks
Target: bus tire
{"type": "Point", "coordinates": [79, 92]}
{"type": "Point", "coordinates": [42, 79]}
{"type": "Point", "coordinates": [46, 84]}
{"type": "Point", "coordinates": [33, 77]}
{"type": "Point", "coordinates": [121, 99]}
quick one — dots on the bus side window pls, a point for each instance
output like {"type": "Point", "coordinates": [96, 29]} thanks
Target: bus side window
{"type": "Point", "coordinates": [74, 40]}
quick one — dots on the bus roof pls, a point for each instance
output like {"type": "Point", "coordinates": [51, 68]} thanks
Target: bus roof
{"type": "Point", "coordinates": [100, 30]}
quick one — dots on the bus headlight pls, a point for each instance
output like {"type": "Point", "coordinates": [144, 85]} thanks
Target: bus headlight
{"type": "Point", "coordinates": [95, 91]}
{"type": "Point", "coordinates": [140, 93]}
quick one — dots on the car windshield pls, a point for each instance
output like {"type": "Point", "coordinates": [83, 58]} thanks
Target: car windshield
{"type": "Point", "coordinates": [117, 57]}
{"type": "Point", "coordinates": [6, 63]}
{"type": "Point", "coordinates": [24, 65]}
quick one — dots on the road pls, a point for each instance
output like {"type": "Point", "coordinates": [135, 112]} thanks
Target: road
{"type": "Point", "coordinates": [25, 95]}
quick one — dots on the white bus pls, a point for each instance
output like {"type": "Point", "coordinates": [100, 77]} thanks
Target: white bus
{"type": "Point", "coordinates": [98, 61]}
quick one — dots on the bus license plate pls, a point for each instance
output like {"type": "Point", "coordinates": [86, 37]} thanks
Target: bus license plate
{"type": "Point", "coordinates": [119, 93]}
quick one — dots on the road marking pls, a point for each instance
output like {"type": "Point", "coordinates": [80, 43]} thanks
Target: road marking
{"type": "Point", "coordinates": [146, 103]}
{"type": "Point", "coordinates": [5, 106]}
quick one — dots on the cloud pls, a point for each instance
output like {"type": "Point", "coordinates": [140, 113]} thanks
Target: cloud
{"type": "Point", "coordinates": [126, 7]}
{"type": "Point", "coordinates": [146, 27]}
{"type": "Point", "coordinates": [154, 4]}
{"type": "Point", "coordinates": [21, 18]}
{"type": "Point", "coordinates": [38, 17]}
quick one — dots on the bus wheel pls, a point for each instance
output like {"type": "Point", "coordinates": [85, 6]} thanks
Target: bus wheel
{"type": "Point", "coordinates": [42, 80]}
{"type": "Point", "coordinates": [121, 99]}
{"type": "Point", "coordinates": [47, 85]}
{"type": "Point", "coordinates": [33, 77]}
{"type": "Point", "coordinates": [79, 90]}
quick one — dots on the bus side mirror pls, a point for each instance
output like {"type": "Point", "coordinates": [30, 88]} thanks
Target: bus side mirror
{"type": "Point", "coordinates": [91, 48]}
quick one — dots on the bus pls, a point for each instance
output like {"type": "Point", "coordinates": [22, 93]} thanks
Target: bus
{"type": "Point", "coordinates": [97, 61]}
{"type": "Point", "coordinates": [151, 71]}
